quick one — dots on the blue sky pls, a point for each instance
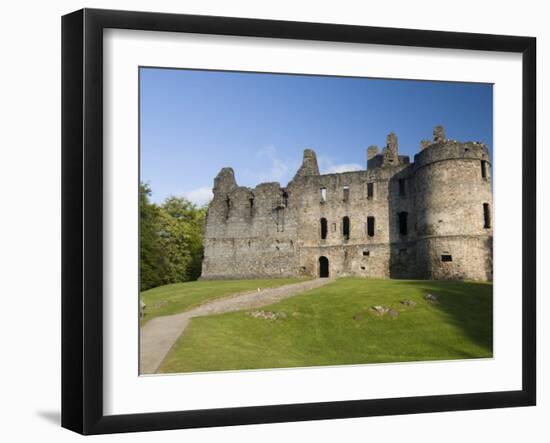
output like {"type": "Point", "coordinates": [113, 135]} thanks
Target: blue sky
{"type": "Point", "coordinates": [194, 122]}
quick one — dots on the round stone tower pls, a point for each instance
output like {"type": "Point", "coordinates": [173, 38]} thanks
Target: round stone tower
{"type": "Point", "coordinates": [454, 208]}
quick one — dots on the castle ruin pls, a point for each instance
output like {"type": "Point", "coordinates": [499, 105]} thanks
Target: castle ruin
{"type": "Point", "coordinates": [431, 219]}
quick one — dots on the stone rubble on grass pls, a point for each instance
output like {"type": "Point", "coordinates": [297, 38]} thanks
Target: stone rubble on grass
{"type": "Point", "coordinates": [268, 315]}
{"type": "Point", "coordinates": [430, 298]}
{"type": "Point", "coordinates": [380, 310]}
{"type": "Point", "coordinates": [393, 313]}
{"type": "Point", "coordinates": [407, 302]}
{"type": "Point", "coordinates": [383, 310]}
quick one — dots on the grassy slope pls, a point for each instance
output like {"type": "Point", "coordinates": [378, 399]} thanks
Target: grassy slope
{"type": "Point", "coordinates": [320, 328]}
{"type": "Point", "coordinates": [178, 297]}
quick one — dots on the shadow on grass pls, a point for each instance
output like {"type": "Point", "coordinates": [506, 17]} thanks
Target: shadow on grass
{"type": "Point", "coordinates": [467, 305]}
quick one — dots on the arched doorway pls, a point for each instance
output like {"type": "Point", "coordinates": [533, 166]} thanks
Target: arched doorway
{"type": "Point", "coordinates": [323, 267]}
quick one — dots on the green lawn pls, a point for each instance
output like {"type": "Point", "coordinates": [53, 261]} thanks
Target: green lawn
{"type": "Point", "coordinates": [178, 297]}
{"type": "Point", "coordinates": [333, 325]}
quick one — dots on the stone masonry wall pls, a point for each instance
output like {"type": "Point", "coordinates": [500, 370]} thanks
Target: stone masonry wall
{"type": "Point", "coordinates": [271, 231]}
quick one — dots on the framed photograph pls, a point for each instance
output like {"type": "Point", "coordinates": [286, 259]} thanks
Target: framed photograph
{"type": "Point", "coordinates": [269, 221]}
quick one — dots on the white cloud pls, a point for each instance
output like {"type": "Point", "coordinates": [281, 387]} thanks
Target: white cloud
{"type": "Point", "coordinates": [278, 169]}
{"type": "Point", "coordinates": [327, 165]}
{"type": "Point", "coordinates": [267, 151]}
{"type": "Point", "coordinates": [344, 167]}
{"type": "Point", "coordinates": [281, 170]}
{"type": "Point", "coordinates": [199, 196]}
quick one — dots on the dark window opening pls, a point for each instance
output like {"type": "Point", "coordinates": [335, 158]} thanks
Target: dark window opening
{"type": "Point", "coordinates": [483, 169]}
{"type": "Point", "coordinates": [251, 206]}
{"type": "Point", "coordinates": [323, 228]}
{"type": "Point", "coordinates": [486, 216]}
{"type": "Point", "coordinates": [285, 199]}
{"type": "Point", "coordinates": [370, 226]}
{"type": "Point", "coordinates": [446, 257]}
{"type": "Point", "coordinates": [402, 186]}
{"type": "Point", "coordinates": [366, 253]}
{"type": "Point", "coordinates": [370, 190]}
{"type": "Point", "coordinates": [346, 193]}
{"type": "Point", "coordinates": [227, 207]}
{"type": "Point", "coordinates": [345, 227]}
{"type": "Point", "coordinates": [403, 223]}
{"type": "Point", "coordinates": [363, 268]}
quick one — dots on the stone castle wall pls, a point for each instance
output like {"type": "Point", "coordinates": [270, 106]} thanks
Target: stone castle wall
{"type": "Point", "coordinates": [271, 231]}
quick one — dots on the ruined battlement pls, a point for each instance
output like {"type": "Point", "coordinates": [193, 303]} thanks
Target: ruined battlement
{"type": "Point", "coordinates": [451, 150]}
{"type": "Point", "coordinates": [395, 219]}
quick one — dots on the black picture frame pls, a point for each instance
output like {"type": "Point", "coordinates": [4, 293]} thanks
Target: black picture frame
{"type": "Point", "coordinates": [82, 218]}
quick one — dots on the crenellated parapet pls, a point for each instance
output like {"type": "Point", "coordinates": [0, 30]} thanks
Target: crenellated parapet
{"type": "Point", "coordinates": [439, 134]}
{"type": "Point", "coordinates": [441, 149]}
{"type": "Point", "coordinates": [389, 157]}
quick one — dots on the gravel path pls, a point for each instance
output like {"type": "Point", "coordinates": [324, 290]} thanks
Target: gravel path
{"type": "Point", "coordinates": [159, 335]}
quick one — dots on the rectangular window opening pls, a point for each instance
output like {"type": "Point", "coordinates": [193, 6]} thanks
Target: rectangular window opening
{"type": "Point", "coordinates": [323, 194]}
{"type": "Point", "coordinates": [446, 257]}
{"type": "Point", "coordinates": [370, 190]}
{"type": "Point", "coordinates": [370, 226]}
{"type": "Point", "coordinates": [346, 193]}
{"type": "Point", "coordinates": [483, 169]}
{"type": "Point", "coordinates": [324, 228]}
{"type": "Point", "coordinates": [345, 227]}
{"type": "Point", "coordinates": [403, 223]}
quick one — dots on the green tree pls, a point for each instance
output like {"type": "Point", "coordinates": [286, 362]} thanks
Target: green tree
{"type": "Point", "coordinates": [171, 240]}
{"type": "Point", "coordinates": [185, 223]}
{"type": "Point", "coordinates": [150, 255]}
